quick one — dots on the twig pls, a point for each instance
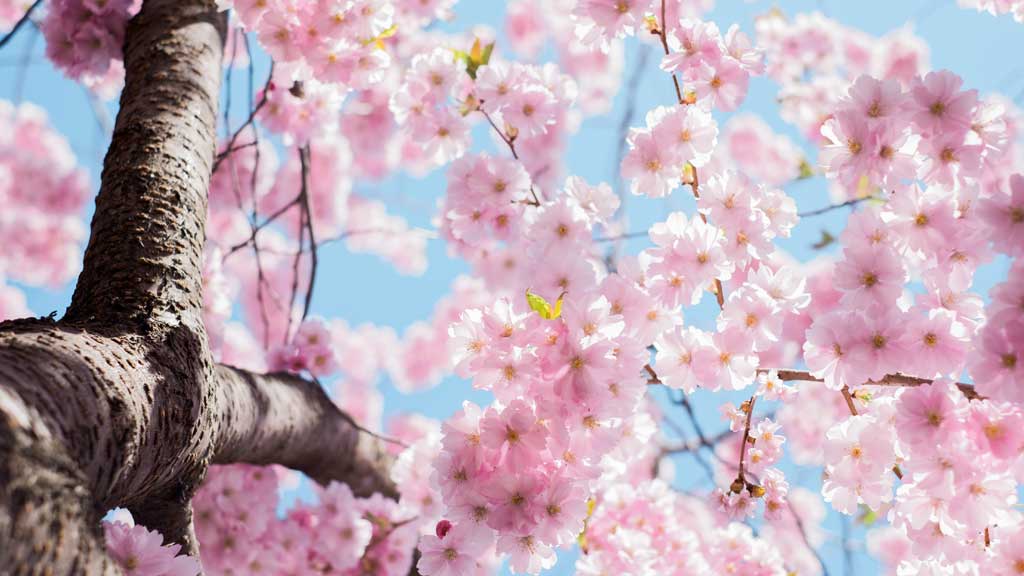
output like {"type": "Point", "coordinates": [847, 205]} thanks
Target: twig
{"type": "Point", "coordinates": [898, 380]}
{"type": "Point", "coordinates": [623, 236]}
{"type": "Point", "coordinates": [663, 34]}
{"type": "Point", "coordinates": [230, 148]}
{"type": "Point", "coordinates": [740, 477]}
{"type": "Point", "coordinates": [830, 208]}
{"type": "Point", "coordinates": [510, 142]}
{"type": "Point", "coordinates": [304, 154]}
{"type": "Point", "coordinates": [255, 229]}
{"type": "Point", "coordinates": [21, 22]}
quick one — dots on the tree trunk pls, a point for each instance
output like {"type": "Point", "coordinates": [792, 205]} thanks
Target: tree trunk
{"type": "Point", "coordinates": [120, 403]}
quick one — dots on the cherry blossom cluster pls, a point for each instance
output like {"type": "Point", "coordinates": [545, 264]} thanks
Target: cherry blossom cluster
{"type": "Point", "coordinates": [521, 470]}
{"type": "Point", "coordinates": [141, 552]}
{"type": "Point", "coordinates": [310, 350]}
{"type": "Point", "coordinates": [814, 59]}
{"type": "Point", "coordinates": [674, 139]}
{"type": "Point", "coordinates": [528, 107]}
{"type": "Point", "coordinates": [84, 39]}
{"type": "Point", "coordinates": [715, 69]}
{"type": "Point", "coordinates": [715, 72]}
{"type": "Point", "coordinates": [996, 7]}
{"type": "Point", "coordinates": [881, 136]}
{"type": "Point", "coordinates": [241, 531]}
{"type": "Point", "coordinates": [948, 511]}
{"type": "Point", "coordinates": [44, 193]}
{"type": "Point", "coordinates": [650, 529]}
{"type": "Point", "coordinates": [750, 144]}
{"type": "Point", "coordinates": [531, 24]}
{"type": "Point", "coordinates": [333, 41]}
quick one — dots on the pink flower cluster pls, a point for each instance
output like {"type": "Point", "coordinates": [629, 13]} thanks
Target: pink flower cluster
{"type": "Point", "coordinates": [84, 38]}
{"type": "Point", "coordinates": [333, 41]}
{"type": "Point", "coordinates": [521, 470]}
{"type": "Point", "coordinates": [141, 552]}
{"type": "Point", "coordinates": [815, 58]}
{"type": "Point", "coordinates": [660, 153]}
{"type": "Point", "coordinates": [997, 362]}
{"type": "Point", "coordinates": [996, 7]}
{"type": "Point", "coordinates": [530, 24]}
{"type": "Point", "coordinates": [651, 529]}
{"type": "Point", "coordinates": [759, 152]}
{"type": "Point", "coordinates": [240, 530]}
{"type": "Point", "coordinates": [527, 106]}
{"type": "Point", "coordinates": [310, 350]}
{"type": "Point", "coordinates": [715, 69]}
{"type": "Point", "coordinates": [881, 136]}
{"type": "Point", "coordinates": [44, 193]}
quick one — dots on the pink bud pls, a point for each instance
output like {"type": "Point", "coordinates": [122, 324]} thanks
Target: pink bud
{"type": "Point", "coordinates": [442, 528]}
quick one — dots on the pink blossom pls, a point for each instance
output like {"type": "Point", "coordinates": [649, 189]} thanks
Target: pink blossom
{"type": "Point", "coordinates": [938, 106]}
{"type": "Point", "coordinates": [140, 552]}
{"type": "Point", "coordinates": [452, 552]}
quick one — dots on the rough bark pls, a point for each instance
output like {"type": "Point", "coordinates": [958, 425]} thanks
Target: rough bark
{"type": "Point", "coordinates": [283, 419]}
{"type": "Point", "coordinates": [120, 403]}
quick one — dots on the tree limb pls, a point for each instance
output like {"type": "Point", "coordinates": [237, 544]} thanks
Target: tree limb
{"type": "Point", "coordinates": [284, 419]}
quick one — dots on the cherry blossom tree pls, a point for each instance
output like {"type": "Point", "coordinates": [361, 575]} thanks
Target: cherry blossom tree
{"type": "Point", "coordinates": [188, 382]}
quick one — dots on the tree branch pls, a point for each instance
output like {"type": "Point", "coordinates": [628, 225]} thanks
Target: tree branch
{"type": "Point", "coordinates": [898, 380]}
{"type": "Point", "coordinates": [284, 419]}
{"type": "Point", "coordinates": [143, 264]}
{"type": "Point", "coordinates": [21, 22]}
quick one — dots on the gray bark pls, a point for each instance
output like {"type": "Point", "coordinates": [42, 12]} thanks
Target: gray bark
{"type": "Point", "coordinates": [119, 404]}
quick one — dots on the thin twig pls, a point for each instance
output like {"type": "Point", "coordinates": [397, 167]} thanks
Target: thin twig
{"type": "Point", "coordinates": [749, 405]}
{"type": "Point", "coordinates": [230, 148]}
{"type": "Point", "coordinates": [304, 157]}
{"type": "Point", "coordinates": [21, 22]}
{"type": "Point", "coordinates": [662, 33]}
{"type": "Point", "coordinates": [510, 142]}
{"type": "Point", "coordinates": [255, 229]}
{"type": "Point", "coordinates": [830, 208]}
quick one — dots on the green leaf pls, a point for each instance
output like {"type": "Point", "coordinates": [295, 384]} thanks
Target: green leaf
{"type": "Point", "coordinates": [806, 170]}
{"type": "Point", "coordinates": [486, 58]}
{"type": "Point", "coordinates": [476, 52]}
{"type": "Point", "coordinates": [539, 305]}
{"type": "Point", "coordinates": [542, 307]}
{"type": "Point", "coordinates": [868, 517]}
{"type": "Point", "coordinates": [478, 55]}
{"type": "Point", "coordinates": [558, 306]}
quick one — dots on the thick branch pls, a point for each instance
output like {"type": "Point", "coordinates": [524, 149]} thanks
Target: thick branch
{"type": "Point", "coordinates": [143, 263]}
{"type": "Point", "coordinates": [283, 419]}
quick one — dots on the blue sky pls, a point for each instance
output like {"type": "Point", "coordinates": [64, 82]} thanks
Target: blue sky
{"type": "Point", "coordinates": [359, 288]}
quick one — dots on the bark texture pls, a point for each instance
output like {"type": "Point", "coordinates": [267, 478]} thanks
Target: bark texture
{"type": "Point", "coordinates": [120, 403]}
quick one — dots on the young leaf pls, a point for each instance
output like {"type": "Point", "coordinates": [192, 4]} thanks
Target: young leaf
{"type": "Point", "coordinates": [539, 305]}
